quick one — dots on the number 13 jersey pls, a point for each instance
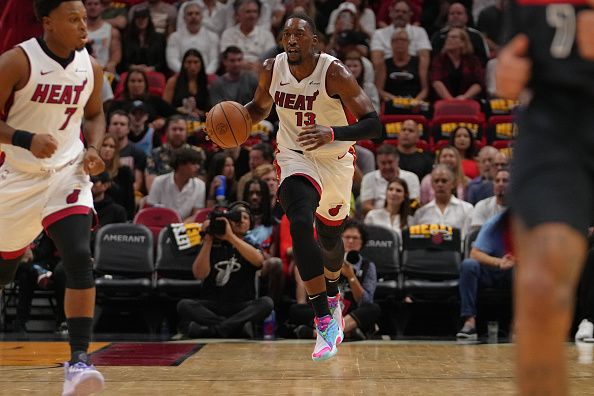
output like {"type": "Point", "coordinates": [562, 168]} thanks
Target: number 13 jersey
{"type": "Point", "coordinates": [52, 102]}
{"type": "Point", "coordinates": [306, 102]}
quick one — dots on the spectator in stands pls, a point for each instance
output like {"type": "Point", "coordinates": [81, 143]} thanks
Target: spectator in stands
{"type": "Point", "coordinates": [121, 188]}
{"type": "Point", "coordinates": [267, 174]}
{"type": "Point", "coordinates": [227, 265]}
{"type": "Point", "coordinates": [187, 91]}
{"type": "Point", "coordinates": [359, 279]}
{"type": "Point", "coordinates": [481, 187]}
{"type": "Point", "coordinates": [463, 140]}
{"type": "Point", "coordinates": [108, 211]}
{"type": "Point", "coordinates": [235, 84]}
{"type": "Point", "coordinates": [347, 20]}
{"type": "Point", "coordinates": [180, 190]}
{"type": "Point", "coordinates": [134, 158]}
{"type": "Point", "coordinates": [501, 161]}
{"type": "Point", "coordinates": [489, 265]}
{"type": "Point", "coordinates": [445, 208]}
{"type": "Point", "coordinates": [413, 158]}
{"type": "Point", "coordinates": [115, 15]}
{"type": "Point", "coordinates": [37, 270]}
{"type": "Point", "coordinates": [253, 39]}
{"type": "Point", "coordinates": [159, 162]}
{"type": "Point", "coordinates": [104, 38]}
{"type": "Point", "coordinates": [353, 60]}
{"type": "Point", "coordinates": [396, 212]}
{"type": "Point", "coordinates": [143, 48]}
{"type": "Point", "coordinates": [193, 36]}
{"type": "Point", "coordinates": [381, 43]}
{"type": "Point", "coordinates": [374, 184]}
{"type": "Point", "coordinates": [403, 75]}
{"type": "Point", "coordinates": [363, 16]}
{"type": "Point", "coordinates": [210, 14]}
{"type": "Point", "coordinates": [490, 24]}
{"type": "Point", "coordinates": [489, 207]}
{"type": "Point", "coordinates": [163, 15]}
{"type": "Point", "coordinates": [347, 41]}
{"type": "Point", "coordinates": [136, 87]}
{"type": "Point", "coordinates": [260, 154]}
{"type": "Point", "coordinates": [142, 134]}
{"type": "Point", "coordinates": [449, 157]}
{"type": "Point", "coordinates": [229, 17]}
{"type": "Point", "coordinates": [456, 73]}
{"type": "Point", "coordinates": [458, 19]}
{"type": "Point", "coordinates": [221, 164]}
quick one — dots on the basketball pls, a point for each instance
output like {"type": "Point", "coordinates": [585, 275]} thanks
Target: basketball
{"type": "Point", "coordinates": [228, 124]}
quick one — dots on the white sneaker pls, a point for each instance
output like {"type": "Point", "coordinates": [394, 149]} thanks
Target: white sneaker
{"type": "Point", "coordinates": [81, 380]}
{"type": "Point", "coordinates": [585, 330]}
{"type": "Point", "coordinates": [336, 311]}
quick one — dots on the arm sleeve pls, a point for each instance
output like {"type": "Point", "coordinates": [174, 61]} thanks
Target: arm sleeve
{"type": "Point", "coordinates": [368, 127]}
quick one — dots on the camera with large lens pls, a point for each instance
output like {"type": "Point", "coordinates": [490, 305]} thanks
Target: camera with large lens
{"type": "Point", "coordinates": [217, 224]}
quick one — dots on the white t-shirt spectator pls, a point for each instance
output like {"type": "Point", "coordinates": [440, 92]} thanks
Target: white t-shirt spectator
{"type": "Point", "coordinates": [484, 210]}
{"type": "Point", "coordinates": [381, 217]}
{"type": "Point", "coordinates": [458, 214]}
{"type": "Point", "coordinates": [164, 192]}
{"type": "Point", "coordinates": [253, 45]}
{"type": "Point", "coordinates": [418, 40]}
{"type": "Point", "coordinates": [205, 41]}
{"type": "Point", "coordinates": [373, 186]}
{"type": "Point", "coordinates": [366, 21]}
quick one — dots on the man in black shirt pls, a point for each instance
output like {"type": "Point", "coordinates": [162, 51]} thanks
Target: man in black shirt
{"type": "Point", "coordinates": [227, 265]}
{"type": "Point", "coordinates": [552, 189]}
{"type": "Point", "coordinates": [412, 158]}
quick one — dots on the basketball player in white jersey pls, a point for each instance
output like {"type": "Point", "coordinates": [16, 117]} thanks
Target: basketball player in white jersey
{"type": "Point", "coordinates": [47, 87]}
{"type": "Point", "coordinates": [315, 161]}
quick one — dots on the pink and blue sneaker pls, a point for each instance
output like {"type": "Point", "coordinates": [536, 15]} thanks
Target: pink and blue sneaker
{"type": "Point", "coordinates": [81, 379]}
{"type": "Point", "coordinates": [328, 334]}
{"type": "Point", "coordinates": [336, 312]}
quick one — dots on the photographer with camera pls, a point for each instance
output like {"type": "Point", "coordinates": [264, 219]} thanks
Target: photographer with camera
{"type": "Point", "coordinates": [227, 265]}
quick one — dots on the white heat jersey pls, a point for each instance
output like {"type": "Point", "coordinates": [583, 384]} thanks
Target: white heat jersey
{"type": "Point", "coordinates": [306, 102]}
{"type": "Point", "coordinates": [51, 102]}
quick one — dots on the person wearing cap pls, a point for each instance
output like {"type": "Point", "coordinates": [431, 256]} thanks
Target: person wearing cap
{"type": "Point", "coordinates": [359, 9]}
{"type": "Point", "coordinates": [108, 212]}
{"type": "Point", "coordinates": [141, 133]}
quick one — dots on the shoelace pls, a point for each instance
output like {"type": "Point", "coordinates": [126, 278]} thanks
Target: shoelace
{"type": "Point", "coordinates": [79, 366]}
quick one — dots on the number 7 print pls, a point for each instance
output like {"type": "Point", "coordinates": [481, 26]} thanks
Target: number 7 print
{"type": "Point", "coordinates": [69, 113]}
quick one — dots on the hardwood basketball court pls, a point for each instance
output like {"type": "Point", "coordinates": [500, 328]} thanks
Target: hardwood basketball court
{"type": "Point", "coordinates": [283, 368]}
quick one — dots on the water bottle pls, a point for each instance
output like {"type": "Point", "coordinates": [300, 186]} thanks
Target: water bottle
{"type": "Point", "coordinates": [220, 190]}
{"type": "Point", "coordinates": [269, 326]}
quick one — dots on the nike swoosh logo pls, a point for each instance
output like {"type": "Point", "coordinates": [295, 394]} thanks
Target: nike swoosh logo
{"type": "Point", "coordinates": [47, 72]}
{"type": "Point", "coordinates": [342, 156]}
{"type": "Point", "coordinates": [314, 83]}
{"type": "Point", "coordinates": [80, 71]}
{"type": "Point", "coordinates": [283, 84]}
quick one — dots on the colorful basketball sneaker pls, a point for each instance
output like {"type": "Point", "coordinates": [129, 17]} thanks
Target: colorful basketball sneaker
{"type": "Point", "coordinates": [81, 380]}
{"type": "Point", "coordinates": [328, 334]}
{"type": "Point", "coordinates": [336, 312]}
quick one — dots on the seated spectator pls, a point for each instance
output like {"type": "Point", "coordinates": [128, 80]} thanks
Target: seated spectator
{"type": "Point", "coordinates": [193, 36]}
{"type": "Point", "coordinates": [37, 270]}
{"type": "Point", "coordinates": [142, 135]}
{"type": "Point", "coordinates": [457, 18]}
{"type": "Point", "coordinates": [260, 154]}
{"type": "Point", "coordinates": [187, 91]}
{"type": "Point", "coordinates": [211, 11]}
{"type": "Point", "coordinates": [396, 212]}
{"type": "Point", "coordinates": [481, 187]}
{"type": "Point", "coordinates": [267, 174]}
{"type": "Point", "coordinates": [227, 265]}
{"type": "Point", "coordinates": [121, 188]}
{"type": "Point", "coordinates": [445, 208]}
{"type": "Point", "coordinates": [136, 88]}
{"type": "Point", "coordinates": [119, 126]}
{"type": "Point", "coordinates": [221, 172]}
{"type": "Point", "coordinates": [348, 21]}
{"type": "Point", "coordinates": [115, 14]}
{"type": "Point", "coordinates": [108, 212]}
{"type": "Point", "coordinates": [374, 184]}
{"type": "Point", "coordinates": [180, 190]}
{"type": "Point", "coordinates": [463, 140]}
{"type": "Point", "coordinates": [159, 162]}
{"type": "Point", "coordinates": [456, 73]}
{"type": "Point", "coordinates": [347, 41]}
{"type": "Point", "coordinates": [104, 38]}
{"type": "Point", "coordinates": [142, 47]}
{"type": "Point", "coordinates": [490, 24]}
{"type": "Point", "coordinates": [412, 158]}
{"type": "Point", "coordinates": [252, 39]}
{"type": "Point", "coordinates": [257, 196]}
{"type": "Point", "coordinates": [235, 84]}
{"type": "Point", "coordinates": [359, 279]}
{"type": "Point", "coordinates": [489, 207]}
{"type": "Point", "coordinates": [229, 16]}
{"type": "Point", "coordinates": [449, 157]}
{"type": "Point", "coordinates": [403, 77]}
{"type": "Point", "coordinates": [353, 60]}
{"type": "Point", "coordinates": [163, 15]}
{"type": "Point", "coordinates": [585, 296]}
{"type": "Point", "coordinates": [363, 17]}
{"type": "Point", "coordinates": [490, 265]}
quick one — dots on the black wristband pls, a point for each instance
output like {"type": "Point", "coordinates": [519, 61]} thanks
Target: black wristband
{"type": "Point", "coordinates": [22, 139]}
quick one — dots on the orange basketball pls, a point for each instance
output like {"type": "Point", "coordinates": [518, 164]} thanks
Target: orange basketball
{"type": "Point", "coordinates": [228, 124]}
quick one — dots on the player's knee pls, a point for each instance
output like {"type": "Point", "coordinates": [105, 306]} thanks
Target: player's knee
{"type": "Point", "coordinates": [301, 223]}
{"type": "Point", "coordinates": [329, 236]}
{"type": "Point", "coordinates": [78, 267]}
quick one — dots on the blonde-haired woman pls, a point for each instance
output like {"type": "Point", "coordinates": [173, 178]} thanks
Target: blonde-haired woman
{"type": "Point", "coordinates": [450, 157]}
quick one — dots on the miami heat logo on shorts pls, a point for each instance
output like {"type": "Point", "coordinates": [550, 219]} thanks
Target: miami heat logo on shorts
{"type": "Point", "coordinates": [73, 196]}
{"type": "Point", "coordinates": [334, 210]}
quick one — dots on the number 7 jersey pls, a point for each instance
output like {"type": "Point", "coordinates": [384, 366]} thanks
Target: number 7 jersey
{"type": "Point", "coordinates": [51, 102]}
{"type": "Point", "coordinates": [306, 102]}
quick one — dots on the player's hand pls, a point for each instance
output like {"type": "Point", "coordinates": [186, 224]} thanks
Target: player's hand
{"type": "Point", "coordinates": [92, 162]}
{"type": "Point", "coordinates": [513, 68]}
{"type": "Point", "coordinates": [43, 145]}
{"type": "Point", "coordinates": [314, 136]}
{"type": "Point", "coordinates": [585, 33]}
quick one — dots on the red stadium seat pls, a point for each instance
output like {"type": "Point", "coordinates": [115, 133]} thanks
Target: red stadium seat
{"type": "Point", "coordinates": [202, 215]}
{"type": "Point", "coordinates": [156, 219]}
{"type": "Point", "coordinates": [501, 127]}
{"type": "Point", "coordinates": [457, 108]}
